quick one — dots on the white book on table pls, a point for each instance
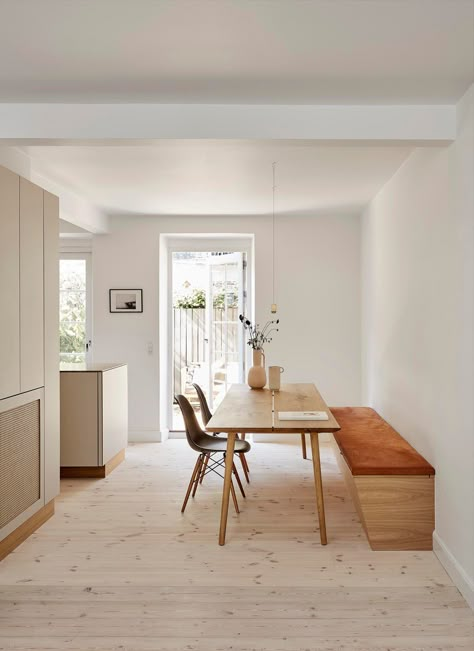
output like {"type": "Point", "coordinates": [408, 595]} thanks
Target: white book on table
{"type": "Point", "coordinates": [303, 415]}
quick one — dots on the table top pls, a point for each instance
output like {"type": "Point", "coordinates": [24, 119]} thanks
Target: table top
{"type": "Point", "coordinates": [248, 410]}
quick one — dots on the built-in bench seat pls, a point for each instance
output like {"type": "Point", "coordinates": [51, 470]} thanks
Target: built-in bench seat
{"type": "Point", "coordinates": [391, 484]}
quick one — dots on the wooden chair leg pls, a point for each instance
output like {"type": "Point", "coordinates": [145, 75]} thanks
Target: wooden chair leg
{"type": "Point", "coordinates": [234, 497]}
{"type": "Point", "coordinates": [191, 482]}
{"type": "Point", "coordinates": [198, 475]}
{"type": "Point", "coordinates": [303, 445]}
{"type": "Point", "coordinates": [238, 479]}
{"type": "Point", "coordinates": [245, 467]}
{"type": "Point", "coordinates": [204, 466]}
{"type": "Point", "coordinates": [243, 460]}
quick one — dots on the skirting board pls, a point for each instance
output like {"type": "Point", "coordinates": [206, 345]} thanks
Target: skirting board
{"type": "Point", "coordinates": [146, 436]}
{"type": "Point", "coordinates": [176, 435]}
{"type": "Point", "coordinates": [92, 472]}
{"type": "Point", "coordinates": [25, 530]}
{"type": "Point", "coordinates": [461, 580]}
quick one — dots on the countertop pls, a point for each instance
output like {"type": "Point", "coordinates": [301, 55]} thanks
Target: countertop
{"type": "Point", "coordinates": [95, 367]}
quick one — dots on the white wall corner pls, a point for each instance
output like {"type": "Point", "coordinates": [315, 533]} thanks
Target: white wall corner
{"type": "Point", "coordinates": [460, 578]}
{"type": "Point", "coordinates": [73, 208]}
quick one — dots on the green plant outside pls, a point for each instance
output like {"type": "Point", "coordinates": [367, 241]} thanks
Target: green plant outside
{"type": "Point", "coordinates": [197, 299]}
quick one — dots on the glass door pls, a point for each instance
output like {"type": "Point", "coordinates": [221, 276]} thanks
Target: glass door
{"type": "Point", "coordinates": [225, 301]}
{"type": "Point", "coordinates": [208, 348]}
{"type": "Point", "coordinates": [75, 340]}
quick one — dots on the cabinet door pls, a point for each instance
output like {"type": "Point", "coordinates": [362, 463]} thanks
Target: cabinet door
{"type": "Point", "coordinates": [79, 418]}
{"type": "Point", "coordinates": [9, 284]}
{"type": "Point", "coordinates": [51, 346]}
{"type": "Point", "coordinates": [31, 287]}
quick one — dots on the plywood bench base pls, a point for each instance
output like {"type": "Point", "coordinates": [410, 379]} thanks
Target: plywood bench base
{"type": "Point", "coordinates": [396, 511]}
{"type": "Point", "coordinates": [92, 472]}
{"type": "Point", "coordinates": [25, 530]}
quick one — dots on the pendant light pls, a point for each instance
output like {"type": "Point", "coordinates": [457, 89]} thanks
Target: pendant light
{"type": "Point", "coordinates": [274, 305]}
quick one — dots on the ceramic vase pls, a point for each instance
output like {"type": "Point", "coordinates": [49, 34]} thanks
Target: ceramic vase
{"type": "Point", "coordinates": [257, 377]}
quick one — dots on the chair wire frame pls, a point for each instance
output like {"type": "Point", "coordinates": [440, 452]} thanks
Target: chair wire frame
{"type": "Point", "coordinates": [201, 470]}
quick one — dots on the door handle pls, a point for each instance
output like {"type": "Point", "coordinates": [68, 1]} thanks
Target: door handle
{"type": "Point", "coordinates": [88, 345]}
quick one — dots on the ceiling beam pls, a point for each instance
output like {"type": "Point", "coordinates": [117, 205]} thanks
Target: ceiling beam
{"type": "Point", "coordinates": [107, 123]}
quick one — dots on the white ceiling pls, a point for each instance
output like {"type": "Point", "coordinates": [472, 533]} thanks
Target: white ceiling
{"type": "Point", "coordinates": [185, 177]}
{"type": "Point", "coordinates": [236, 51]}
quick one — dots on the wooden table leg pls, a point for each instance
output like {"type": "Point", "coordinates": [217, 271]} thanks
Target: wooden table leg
{"type": "Point", "coordinates": [229, 460]}
{"type": "Point", "coordinates": [318, 484]}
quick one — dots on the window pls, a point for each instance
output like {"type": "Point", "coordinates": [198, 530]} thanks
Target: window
{"type": "Point", "coordinates": [74, 308]}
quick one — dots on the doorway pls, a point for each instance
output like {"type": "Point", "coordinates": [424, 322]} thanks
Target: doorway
{"type": "Point", "coordinates": [208, 289]}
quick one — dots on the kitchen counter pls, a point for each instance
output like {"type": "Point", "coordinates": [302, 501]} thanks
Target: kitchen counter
{"type": "Point", "coordinates": [94, 418]}
{"type": "Point", "coordinates": [89, 367]}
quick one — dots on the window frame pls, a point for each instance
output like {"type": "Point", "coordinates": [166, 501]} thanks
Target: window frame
{"type": "Point", "coordinates": [87, 256]}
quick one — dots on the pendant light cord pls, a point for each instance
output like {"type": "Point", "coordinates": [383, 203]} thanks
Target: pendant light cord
{"type": "Point", "coordinates": [273, 233]}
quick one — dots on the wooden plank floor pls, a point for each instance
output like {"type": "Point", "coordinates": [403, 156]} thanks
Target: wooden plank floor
{"type": "Point", "coordinates": [118, 567]}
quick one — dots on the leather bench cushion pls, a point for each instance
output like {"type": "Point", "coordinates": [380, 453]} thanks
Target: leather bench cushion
{"type": "Point", "coordinates": [371, 446]}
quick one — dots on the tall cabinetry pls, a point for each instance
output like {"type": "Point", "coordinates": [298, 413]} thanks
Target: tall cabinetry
{"type": "Point", "coordinates": [29, 357]}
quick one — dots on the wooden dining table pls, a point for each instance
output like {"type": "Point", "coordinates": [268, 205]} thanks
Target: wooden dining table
{"type": "Point", "coordinates": [246, 411]}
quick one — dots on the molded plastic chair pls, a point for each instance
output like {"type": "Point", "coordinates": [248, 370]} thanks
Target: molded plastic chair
{"type": "Point", "coordinates": [206, 417]}
{"type": "Point", "coordinates": [208, 447]}
{"type": "Point", "coordinates": [205, 411]}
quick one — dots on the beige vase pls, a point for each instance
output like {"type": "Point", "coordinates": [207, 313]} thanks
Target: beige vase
{"type": "Point", "coordinates": [257, 378]}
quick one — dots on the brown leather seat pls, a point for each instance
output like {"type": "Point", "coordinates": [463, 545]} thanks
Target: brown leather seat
{"type": "Point", "coordinates": [371, 446]}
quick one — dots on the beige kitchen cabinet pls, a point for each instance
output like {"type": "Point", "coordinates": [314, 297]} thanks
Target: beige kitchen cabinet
{"type": "Point", "coordinates": [29, 357]}
{"type": "Point", "coordinates": [31, 287]}
{"type": "Point", "coordinates": [9, 283]}
{"type": "Point", "coordinates": [94, 418]}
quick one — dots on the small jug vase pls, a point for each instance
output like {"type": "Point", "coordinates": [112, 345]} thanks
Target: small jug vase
{"type": "Point", "coordinates": [257, 377]}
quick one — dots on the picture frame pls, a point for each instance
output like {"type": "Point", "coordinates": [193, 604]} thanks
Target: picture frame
{"type": "Point", "coordinates": [126, 301]}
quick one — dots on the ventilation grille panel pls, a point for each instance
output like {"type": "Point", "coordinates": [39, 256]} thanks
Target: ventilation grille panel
{"type": "Point", "coordinates": [20, 436]}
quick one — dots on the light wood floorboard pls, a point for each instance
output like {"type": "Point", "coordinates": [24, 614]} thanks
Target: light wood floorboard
{"type": "Point", "coordinates": [119, 567]}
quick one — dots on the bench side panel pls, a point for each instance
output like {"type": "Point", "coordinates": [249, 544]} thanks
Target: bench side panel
{"type": "Point", "coordinates": [398, 510]}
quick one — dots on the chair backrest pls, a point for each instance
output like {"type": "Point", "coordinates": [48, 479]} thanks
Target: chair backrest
{"type": "Point", "coordinates": [205, 411]}
{"type": "Point", "coordinates": [193, 432]}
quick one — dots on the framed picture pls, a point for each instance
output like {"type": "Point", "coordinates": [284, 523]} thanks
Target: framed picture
{"type": "Point", "coordinates": [126, 301]}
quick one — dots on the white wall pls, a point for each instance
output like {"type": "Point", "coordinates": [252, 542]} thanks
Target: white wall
{"type": "Point", "coordinates": [73, 207]}
{"type": "Point", "coordinates": [418, 294]}
{"type": "Point", "coordinates": [318, 294]}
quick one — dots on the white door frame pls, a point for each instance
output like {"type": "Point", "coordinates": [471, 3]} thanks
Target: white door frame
{"type": "Point", "coordinates": [169, 244]}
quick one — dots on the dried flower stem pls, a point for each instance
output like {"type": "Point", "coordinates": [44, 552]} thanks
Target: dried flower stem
{"type": "Point", "coordinates": [257, 336]}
